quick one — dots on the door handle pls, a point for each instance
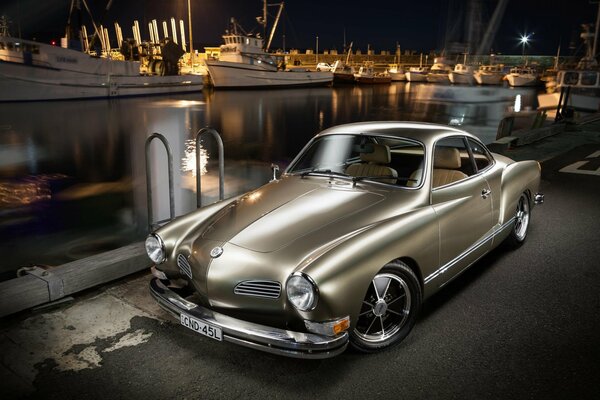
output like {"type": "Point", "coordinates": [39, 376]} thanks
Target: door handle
{"type": "Point", "coordinates": [485, 193]}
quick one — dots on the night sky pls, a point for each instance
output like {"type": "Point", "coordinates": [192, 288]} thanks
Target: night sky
{"type": "Point", "coordinates": [416, 25]}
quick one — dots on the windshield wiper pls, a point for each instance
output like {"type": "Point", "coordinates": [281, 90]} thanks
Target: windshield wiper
{"type": "Point", "coordinates": [327, 172]}
{"type": "Point", "coordinates": [383, 177]}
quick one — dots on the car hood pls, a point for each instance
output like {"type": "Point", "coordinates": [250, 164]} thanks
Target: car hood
{"type": "Point", "coordinates": [284, 211]}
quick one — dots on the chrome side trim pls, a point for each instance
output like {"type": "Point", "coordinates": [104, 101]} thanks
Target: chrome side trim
{"type": "Point", "coordinates": [467, 252]}
{"type": "Point", "coordinates": [249, 334]}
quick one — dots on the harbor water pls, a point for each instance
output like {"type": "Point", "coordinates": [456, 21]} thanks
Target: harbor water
{"type": "Point", "coordinates": [73, 173]}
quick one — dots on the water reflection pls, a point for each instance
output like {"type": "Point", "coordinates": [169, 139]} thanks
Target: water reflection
{"type": "Point", "coordinates": [72, 174]}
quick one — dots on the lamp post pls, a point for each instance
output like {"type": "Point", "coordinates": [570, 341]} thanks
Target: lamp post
{"type": "Point", "coordinates": [191, 41]}
{"type": "Point", "coordinates": [317, 51]}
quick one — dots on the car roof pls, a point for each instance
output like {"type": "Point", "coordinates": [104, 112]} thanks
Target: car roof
{"type": "Point", "coordinates": [421, 131]}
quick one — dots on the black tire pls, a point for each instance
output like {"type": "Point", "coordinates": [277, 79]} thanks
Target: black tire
{"type": "Point", "coordinates": [389, 310]}
{"type": "Point", "coordinates": [518, 233]}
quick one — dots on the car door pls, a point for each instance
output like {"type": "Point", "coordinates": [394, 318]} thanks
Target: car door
{"type": "Point", "coordinates": [462, 202]}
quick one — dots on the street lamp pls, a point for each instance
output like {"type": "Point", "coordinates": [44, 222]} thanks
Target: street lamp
{"type": "Point", "coordinates": [317, 51]}
{"type": "Point", "coordinates": [524, 40]}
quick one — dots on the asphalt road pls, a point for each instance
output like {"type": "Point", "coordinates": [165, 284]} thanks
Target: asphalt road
{"type": "Point", "coordinates": [521, 324]}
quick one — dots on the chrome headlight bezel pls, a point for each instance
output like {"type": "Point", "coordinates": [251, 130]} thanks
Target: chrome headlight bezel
{"type": "Point", "coordinates": [302, 292]}
{"type": "Point", "coordinates": [155, 248]}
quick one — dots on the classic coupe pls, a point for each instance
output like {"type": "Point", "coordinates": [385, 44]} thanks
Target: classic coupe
{"type": "Point", "coordinates": [368, 221]}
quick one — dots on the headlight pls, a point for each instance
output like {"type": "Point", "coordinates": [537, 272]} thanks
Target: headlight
{"type": "Point", "coordinates": [155, 248]}
{"type": "Point", "coordinates": [301, 292]}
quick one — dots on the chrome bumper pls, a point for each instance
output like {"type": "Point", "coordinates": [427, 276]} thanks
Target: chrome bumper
{"type": "Point", "coordinates": [538, 198]}
{"type": "Point", "coordinates": [260, 337]}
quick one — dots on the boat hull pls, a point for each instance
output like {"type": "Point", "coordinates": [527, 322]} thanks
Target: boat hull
{"type": "Point", "coordinates": [522, 80]}
{"type": "Point", "coordinates": [434, 77]}
{"type": "Point", "coordinates": [231, 75]}
{"type": "Point", "coordinates": [397, 76]}
{"type": "Point", "coordinates": [20, 82]}
{"type": "Point", "coordinates": [488, 79]}
{"type": "Point", "coordinates": [579, 102]}
{"type": "Point", "coordinates": [461, 79]}
{"type": "Point", "coordinates": [416, 77]}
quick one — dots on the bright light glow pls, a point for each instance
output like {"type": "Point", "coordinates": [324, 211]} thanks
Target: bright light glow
{"type": "Point", "coordinates": [188, 162]}
{"type": "Point", "coordinates": [524, 39]}
{"type": "Point", "coordinates": [517, 106]}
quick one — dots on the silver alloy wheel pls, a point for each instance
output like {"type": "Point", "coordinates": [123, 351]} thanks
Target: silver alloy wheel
{"type": "Point", "coordinates": [385, 309]}
{"type": "Point", "coordinates": [522, 218]}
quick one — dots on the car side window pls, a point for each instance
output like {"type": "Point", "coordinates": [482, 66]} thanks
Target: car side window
{"type": "Point", "coordinates": [480, 154]}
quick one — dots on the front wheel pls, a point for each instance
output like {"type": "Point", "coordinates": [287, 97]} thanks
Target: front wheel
{"type": "Point", "coordinates": [389, 309]}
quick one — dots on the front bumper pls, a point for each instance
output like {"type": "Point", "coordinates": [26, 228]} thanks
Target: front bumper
{"type": "Point", "coordinates": [249, 334]}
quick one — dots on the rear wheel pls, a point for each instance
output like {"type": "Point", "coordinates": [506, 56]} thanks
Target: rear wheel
{"type": "Point", "coordinates": [521, 227]}
{"type": "Point", "coordinates": [389, 309]}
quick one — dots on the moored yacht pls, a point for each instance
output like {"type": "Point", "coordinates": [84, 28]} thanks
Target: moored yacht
{"type": "Point", "coordinates": [523, 76]}
{"type": "Point", "coordinates": [417, 74]}
{"type": "Point", "coordinates": [462, 74]}
{"type": "Point", "coordinates": [439, 71]}
{"type": "Point", "coordinates": [490, 74]}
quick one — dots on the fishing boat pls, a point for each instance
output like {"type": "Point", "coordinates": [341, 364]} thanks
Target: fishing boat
{"type": "Point", "coordinates": [523, 76]}
{"type": "Point", "coordinates": [462, 74]}
{"type": "Point", "coordinates": [245, 62]}
{"type": "Point", "coordinates": [366, 74]}
{"type": "Point", "coordinates": [343, 71]}
{"type": "Point", "coordinates": [417, 74]}
{"type": "Point", "coordinates": [439, 71]}
{"type": "Point", "coordinates": [396, 71]}
{"type": "Point", "coordinates": [490, 74]}
{"type": "Point", "coordinates": [577, 88]}
{"type": "Point", "coordinates": [31, 71]}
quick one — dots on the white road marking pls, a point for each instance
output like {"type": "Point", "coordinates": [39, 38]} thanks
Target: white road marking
{"type": "Point", "coordinates": [575, 167]}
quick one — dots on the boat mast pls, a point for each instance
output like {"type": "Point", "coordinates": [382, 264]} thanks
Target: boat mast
{"type": "Point", "coordinates": [596, 33]}
{"type": "Point", "coordinates": [274, 24]}
{"type": "Point", "coordinates": [349, 52]}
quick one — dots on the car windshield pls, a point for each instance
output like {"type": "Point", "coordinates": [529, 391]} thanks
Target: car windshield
{"type": "Point", "coordinates": [383, 159]}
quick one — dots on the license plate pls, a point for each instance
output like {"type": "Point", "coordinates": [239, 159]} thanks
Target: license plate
{"type": "Point", "coordinates": [202, 327]}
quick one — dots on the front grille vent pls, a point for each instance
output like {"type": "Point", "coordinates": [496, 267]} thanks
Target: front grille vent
{"type": "Point", "coordinates": [184, 265]}
{"type": "Point", "coordinates": [259, 288]}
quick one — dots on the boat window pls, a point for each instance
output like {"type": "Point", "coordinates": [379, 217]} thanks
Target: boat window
{"type": "Point", "coordinates": [1, 45]}
{"type": "Point", "coordinates": [589, 78]}
{"type": "Point", "coordinates": [571, 78]}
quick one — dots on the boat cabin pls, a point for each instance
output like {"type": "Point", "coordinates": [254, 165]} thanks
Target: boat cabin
{"type": "Point", "coordinates": [584, 79]}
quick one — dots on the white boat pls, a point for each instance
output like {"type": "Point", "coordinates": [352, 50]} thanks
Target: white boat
{"type": "Point", "coordinates": [417, 74]}
{"type": "Point", "coordinates": [439, 71]}
{"type": "Point", "coordinates": [490, 74]}
{"type": "Point", "coordinates": [244, 62]}
{"type": "Point", "coordinates": [462, 74]}
{"type": "Point", "coordinates": [397, 73]}
{"type": "Point", "coordinates": [32, 71]}
{"type": "Point", "coordinates": [577, 88]}
{"type": "Point", "coordinates": [523, 76]}
{"type": "Point", "coordinates": [583, 88]}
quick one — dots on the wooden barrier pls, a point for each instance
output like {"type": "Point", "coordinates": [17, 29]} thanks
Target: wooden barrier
{"type": "Point", "coordinates": [39, 287]}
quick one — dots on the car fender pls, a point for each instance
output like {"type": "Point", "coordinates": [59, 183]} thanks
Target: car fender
{"type": "Point", "coordinates": [517, 178]}
{"type": "Point", "coordinates": [188, 226]}
{"type": "Point", "coordinates": [344, 272]}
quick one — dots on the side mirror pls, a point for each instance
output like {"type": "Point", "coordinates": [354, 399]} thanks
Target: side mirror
{"type": "Point", "coordinates": [275, 169]}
